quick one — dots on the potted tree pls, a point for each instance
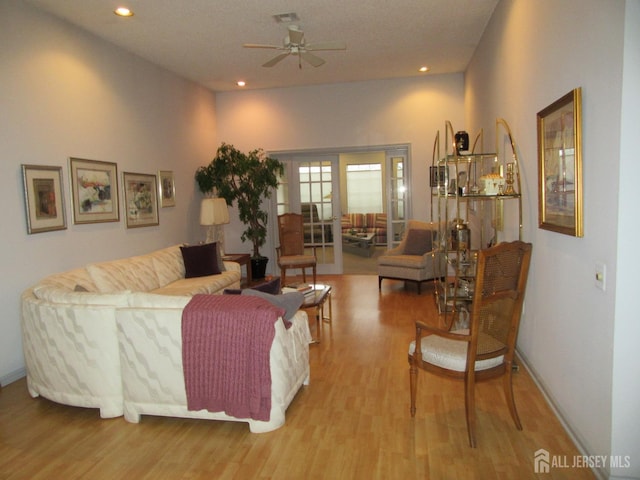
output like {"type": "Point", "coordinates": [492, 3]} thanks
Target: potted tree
{"type": "Point", "coordinates": [248, 179]}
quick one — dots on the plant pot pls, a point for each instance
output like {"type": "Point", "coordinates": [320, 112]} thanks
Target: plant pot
{"type": "Point", "coordinates": [258, 267]}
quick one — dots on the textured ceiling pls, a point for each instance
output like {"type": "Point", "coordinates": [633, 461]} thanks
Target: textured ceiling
{"type": "Point", "coordinates": [202, 39]}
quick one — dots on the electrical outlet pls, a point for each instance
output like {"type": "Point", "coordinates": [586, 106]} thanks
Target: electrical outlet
{"type": "Point", "coordinates": [601, 276]}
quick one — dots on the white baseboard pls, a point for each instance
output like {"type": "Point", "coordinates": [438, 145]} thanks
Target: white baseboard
{"type": "Point", "coordinates": [13, 376]}
{"type": "Point", "coordinates": [600, 473]}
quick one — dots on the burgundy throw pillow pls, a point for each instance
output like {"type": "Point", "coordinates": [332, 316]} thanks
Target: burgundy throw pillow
{"type": "Point", "coordinates": [200, 260]}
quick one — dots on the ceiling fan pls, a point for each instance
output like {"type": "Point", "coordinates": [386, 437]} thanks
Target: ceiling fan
{"type": "Point", "coordinates": [294, 44]}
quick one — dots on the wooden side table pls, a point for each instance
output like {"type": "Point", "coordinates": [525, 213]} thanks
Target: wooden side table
{"type": "Point", "coordinates": [242, 259]}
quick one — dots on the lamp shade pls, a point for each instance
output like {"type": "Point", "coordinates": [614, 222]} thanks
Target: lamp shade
{"type": "Point", "coordinates": [214, 211]}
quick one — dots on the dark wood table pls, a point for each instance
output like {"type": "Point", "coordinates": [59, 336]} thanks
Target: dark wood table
{"type": "Point", "coordinates": [242, 259]}
{"type": "Point", "coordinates": [317, 300]}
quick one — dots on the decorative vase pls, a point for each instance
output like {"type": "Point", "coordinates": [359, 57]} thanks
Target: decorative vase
{"type": "Point", "coordinates": [258, 267]}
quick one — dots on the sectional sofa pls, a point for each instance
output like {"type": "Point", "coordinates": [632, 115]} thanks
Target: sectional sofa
{"type": "Point", "coordinates": [108, 336]}
{"type": "Point", "coordinates": [375, 223]}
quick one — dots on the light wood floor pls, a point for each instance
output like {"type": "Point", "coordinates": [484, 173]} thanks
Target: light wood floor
{"type": "Point", "coordinates": [351, 422]}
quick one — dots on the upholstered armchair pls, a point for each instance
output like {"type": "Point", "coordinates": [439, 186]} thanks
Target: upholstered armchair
{"type": "Point", "coordinates": [413, 259]}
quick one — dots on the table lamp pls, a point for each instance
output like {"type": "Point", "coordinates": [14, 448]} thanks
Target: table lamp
{"type": "Point", "coordinates": [213, 214]}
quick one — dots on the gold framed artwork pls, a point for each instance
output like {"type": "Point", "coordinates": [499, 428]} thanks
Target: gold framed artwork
{"type": "Point", "coordinates": [167, 188]}
{"type": "Point", "coordinates": [94, 191]}
{"type": "Point", "coordinates": [560, 165]}
{"type": "Point", "coordinates": [140, 199]}
{"type": "Point", "coordinates": [44, 201]}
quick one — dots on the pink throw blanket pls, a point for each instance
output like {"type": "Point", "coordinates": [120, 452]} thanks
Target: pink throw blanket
{"type": "Point", "coordinates": [226, 341]}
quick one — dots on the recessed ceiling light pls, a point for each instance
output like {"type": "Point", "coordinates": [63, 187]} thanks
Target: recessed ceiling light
{"type": "Point", "coordinates": [241, 83]}
{"type": "Point", "coordinates": [123, 12]}
{"type": "Point", "coordinates": [424, 69]}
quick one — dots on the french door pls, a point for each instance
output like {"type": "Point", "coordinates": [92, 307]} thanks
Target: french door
{"type": "Point", "coordinates": [311, 186]}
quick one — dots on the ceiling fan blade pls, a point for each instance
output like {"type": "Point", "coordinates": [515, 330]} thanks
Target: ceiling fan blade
{"type": "Point", "coordinates": [326, 46]}
{"type": "Point", "coordinates": [296, 36]}
{"type": "Point", "coordinates": [260, 45]}
{"type": "Point", "coordinates": [276, 59]}
{"type": "Point", "coordinates": [311, 58]}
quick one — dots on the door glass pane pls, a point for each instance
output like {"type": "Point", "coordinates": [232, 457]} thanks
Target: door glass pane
{"type": "Point", "coordinates": [364, 188]}
{"type": "Point", "coordinates": [398, 198]}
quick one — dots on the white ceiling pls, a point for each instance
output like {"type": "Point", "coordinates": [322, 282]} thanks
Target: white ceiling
{"type": "Point", "coordinates": [202, 39]}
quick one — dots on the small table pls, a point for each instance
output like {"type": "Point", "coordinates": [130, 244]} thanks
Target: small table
{"type": "Point", "coordinates": [362, 244]}
{"type": "Point", "coordinates": [242, 259]}
{"type": "Point", "coordinates": [321, 294]}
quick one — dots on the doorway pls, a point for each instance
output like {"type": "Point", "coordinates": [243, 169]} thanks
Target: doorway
{"type": "Point", "coordinates": [332, 187]}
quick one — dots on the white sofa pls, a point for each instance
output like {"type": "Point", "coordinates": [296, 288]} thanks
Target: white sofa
{"type": "Point", "coordinates": [108, 336]}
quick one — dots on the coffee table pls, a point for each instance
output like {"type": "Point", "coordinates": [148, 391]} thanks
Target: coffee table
{"type": "Point", "coordinates": [362, 244]}
{"type": "Point", "coordinates": [316, 300]}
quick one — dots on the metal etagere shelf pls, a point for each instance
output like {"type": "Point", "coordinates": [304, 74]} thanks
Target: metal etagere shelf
{"type": "Point", "coordinates": [477, 203]}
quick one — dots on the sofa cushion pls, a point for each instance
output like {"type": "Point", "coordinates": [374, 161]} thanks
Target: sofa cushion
{"type": "Point", "coordinates": [200, 260]}
{"type": "Point", "coordinates": [291, 302]}
{"type": "Point", "coordinates": [70, 280]}
{"type": "Point", "coordinates": [168, 265]}
{"type": "Point", "coordinates": [153, 300]}
{"type": "Point", "coordinates": [418, 242]}
{"type": "Point", "coordinates": [135, 273]}
{"type": "Point", "coordinates": [53, 294]}
{"type": "Point", "coordinates": [212, 284]}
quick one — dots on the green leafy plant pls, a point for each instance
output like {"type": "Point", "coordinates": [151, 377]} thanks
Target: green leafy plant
{"type": "Point", "coordinates": [246, 178]}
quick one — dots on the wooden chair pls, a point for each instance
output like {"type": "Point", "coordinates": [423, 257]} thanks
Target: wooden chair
{"type": "Point", "coordinates": [291, 252]}
{"type": "Point", "coordinates": [486, 349]}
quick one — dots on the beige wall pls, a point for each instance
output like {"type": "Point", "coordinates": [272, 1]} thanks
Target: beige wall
{"type": "Point", "coordinates": [359, 114]}
{"type": "Point", "coordinates": [532, 53]}
{"type": "Point", "coordinates": [65, 93]}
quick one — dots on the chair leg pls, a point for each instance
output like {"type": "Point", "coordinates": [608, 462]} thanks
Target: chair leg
{"type": "Point", "coordinates": [508, 393]}
{"type": "Point", "coordinates": [283, 272]}
{"type": "Point", "coordinates": [314, 274]}
{"type": "Point", "coordinates": [470, 407]}
{"type": "Point", "coordinates": [379, 283]}
{"type": "Point", "coordinates": [413, 383]}
{"type": "Point", "coordinates": [304, 275]}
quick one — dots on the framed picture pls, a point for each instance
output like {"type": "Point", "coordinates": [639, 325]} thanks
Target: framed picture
{"type": "Point", "coordinates": [437, 176]}
{"type": "Point", "coordinates": [560, 165]}
{"type": "Point", "coordinates": [44, 202]}
{"type": "Point", "coordinates": [140, 199]}
{"type": "Point", "coordinates": [94, 191]}
{"type": "Point", "coordinates": [167, 188]}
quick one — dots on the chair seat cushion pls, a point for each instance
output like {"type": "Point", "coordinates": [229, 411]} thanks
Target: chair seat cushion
{"type": "Point", "coordinates": [451, 354]}
{"type": "Point", "coordinates": [407, 261]}
{"type": "Point", "coordinates": [291, 260]}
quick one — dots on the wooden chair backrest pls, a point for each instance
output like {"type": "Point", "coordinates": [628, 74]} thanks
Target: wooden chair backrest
{"type": "Point", "coordinates": [290, 230]}
{"type": "Point", "coordinates": [501, 280]}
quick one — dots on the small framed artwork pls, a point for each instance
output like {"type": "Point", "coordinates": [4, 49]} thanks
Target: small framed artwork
{"type": "Point", "coordinates": [167, 188]}
{"type": "Point", "coordinates": [140, 199]}
{"type": "Point", "coordinates": [44, 201]}
{"type": "Point", "coordinates": [94, 191]}
{"type": "Point", "coordinates": [438, 176]}
{"type": "Point", "coordinates": [560, 165]}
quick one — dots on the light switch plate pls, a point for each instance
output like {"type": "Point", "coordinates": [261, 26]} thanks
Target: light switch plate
{"type": "Point", "coordinates": [601, 276]}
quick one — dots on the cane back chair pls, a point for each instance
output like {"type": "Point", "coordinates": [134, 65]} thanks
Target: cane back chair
{"type": "Point", "coordinates": [486, 349]}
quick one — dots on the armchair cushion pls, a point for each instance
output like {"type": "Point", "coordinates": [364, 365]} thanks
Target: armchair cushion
{"type": "Point", "coordinates": [418, 242]}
